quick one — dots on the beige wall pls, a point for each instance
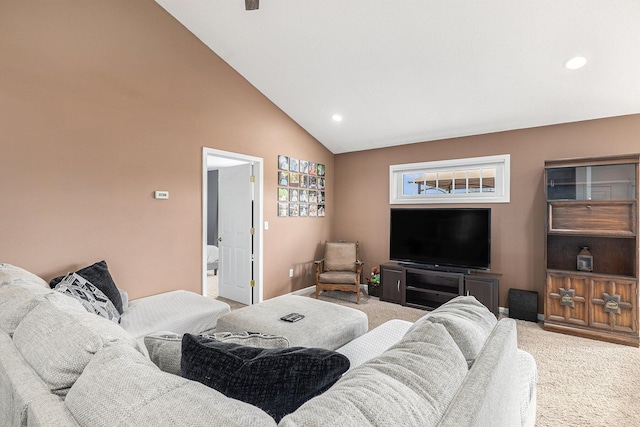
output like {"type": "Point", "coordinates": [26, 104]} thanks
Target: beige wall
{"type": "Point", "coordinates": [362, 193]}
{"type": "Point", "coordinates": [103, 102]}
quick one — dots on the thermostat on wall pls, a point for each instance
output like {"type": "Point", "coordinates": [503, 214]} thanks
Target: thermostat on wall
{"type": "Point", "coordinates": [161, 195]}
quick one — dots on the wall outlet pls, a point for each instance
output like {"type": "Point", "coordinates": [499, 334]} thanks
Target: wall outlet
{"type": "Point", "coordinates": [291, 272]}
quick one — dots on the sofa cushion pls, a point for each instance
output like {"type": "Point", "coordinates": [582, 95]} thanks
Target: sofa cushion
{"type": "Point", "coordinates": [19, 385]}
{"type": "Point", "coordinates": [411, 384]}
{"type": "Point", "coordinates": [91, 298]}
{"type": "Point", "coordinates": [98, 274]}
{"type": "Point", "coordinates": [124, 297]}
{"type": "Point", "coordinates": [275, 380]}
{"type": "Point", "coordinates": [177, 311]}
{"type": "Point", "coordinates": [165, 348]}
{"type": "Point", "coordinates": [467, 320]}
{"type": "Point", "coordinates": [120, 387]}
{"type": "Point", "coordinates": [165, 351]}
{"type": "Point", "coordinates": [16, 301]}
{"type": "Point", "coordinates": [59, 343]}
{"type": "Point", "coordinates": [10, 274]}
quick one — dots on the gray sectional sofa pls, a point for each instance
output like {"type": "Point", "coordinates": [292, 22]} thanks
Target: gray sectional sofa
{"type": "Point", "coordinates": [63, 366]}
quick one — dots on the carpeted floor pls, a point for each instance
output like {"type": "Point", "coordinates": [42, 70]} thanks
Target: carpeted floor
{"type": "Point", "coordinates": [581, 382]}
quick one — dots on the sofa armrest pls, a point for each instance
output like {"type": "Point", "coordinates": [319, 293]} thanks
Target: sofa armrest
{"type": "Point", "coordinates": [375, 342]}
{"type": "Point", "coordinates": [489, 394]}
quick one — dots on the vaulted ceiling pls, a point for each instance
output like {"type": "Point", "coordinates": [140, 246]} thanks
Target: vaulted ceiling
{"type": "Point", "coordinates": [408, 71]}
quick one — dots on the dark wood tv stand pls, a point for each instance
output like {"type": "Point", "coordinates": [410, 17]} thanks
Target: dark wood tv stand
{"type": "Point", "coordinates": [430, 288]}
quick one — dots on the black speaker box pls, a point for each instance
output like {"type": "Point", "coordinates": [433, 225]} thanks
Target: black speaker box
{"type": "Point", "coordinates": [523, 305]}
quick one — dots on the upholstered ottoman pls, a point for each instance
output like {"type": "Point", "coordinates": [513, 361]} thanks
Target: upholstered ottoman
{"type": "Point", "coordinates": [325, 325]}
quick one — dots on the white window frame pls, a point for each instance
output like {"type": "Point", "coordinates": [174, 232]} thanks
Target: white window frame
{"type": "Point", "coordinates": [502, 192]}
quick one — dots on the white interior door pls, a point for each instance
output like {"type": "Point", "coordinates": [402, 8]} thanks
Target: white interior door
{"type": "Point", "coordinates": [234, 230]}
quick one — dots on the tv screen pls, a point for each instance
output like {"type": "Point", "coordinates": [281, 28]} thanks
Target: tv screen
{"type": "Point", "coordinates": [459, 237]}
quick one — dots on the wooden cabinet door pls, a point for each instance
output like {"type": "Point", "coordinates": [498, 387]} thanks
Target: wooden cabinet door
{"type": "Point", "coordinates": [485, 291]}
{"type": "Point", "coordinates": [614, 304]}
{"type": "Point", "coordinates": [392, 284]}
{"type": "Point", "coordinates": [567, 298]}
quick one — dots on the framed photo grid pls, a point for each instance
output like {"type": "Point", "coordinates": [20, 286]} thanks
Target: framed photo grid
{"type": "Point", "coordinates": [301, 187]}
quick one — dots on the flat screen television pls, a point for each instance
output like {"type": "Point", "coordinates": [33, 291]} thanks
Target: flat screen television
{"type": "Point", "coordinates": [457, 238]}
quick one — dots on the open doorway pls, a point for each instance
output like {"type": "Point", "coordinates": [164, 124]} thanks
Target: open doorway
{"type": "Point", "coordinates": [231, 225]}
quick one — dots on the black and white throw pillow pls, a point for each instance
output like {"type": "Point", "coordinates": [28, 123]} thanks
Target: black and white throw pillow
{"type": "Point", "coordinates": [92, 298]}
{"type": "Point", "coordinates": [99, 276]}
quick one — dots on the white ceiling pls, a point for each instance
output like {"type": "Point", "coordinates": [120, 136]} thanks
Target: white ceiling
{"type": "Point", "coordinates": [420, 70]}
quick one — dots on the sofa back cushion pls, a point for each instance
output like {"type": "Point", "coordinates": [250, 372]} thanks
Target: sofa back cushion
{"type": "Point", "coordinates": [414, 381]}
{"type": "Point", "coordinates": [122, 387]}
{"type": "Point", "coordinates": [10, 274]}
{"type": "Point", "coordinates": [467, 320]}
{"type": "Point", "coordinates": [59, 343]}
{"type": "Point", "coordinates": [20, 387]}
{"type": "Point", "coordinates": [16, 301]}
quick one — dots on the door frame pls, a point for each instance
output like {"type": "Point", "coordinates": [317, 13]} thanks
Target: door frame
{"type": "Point", "coordinates": [258, 208]}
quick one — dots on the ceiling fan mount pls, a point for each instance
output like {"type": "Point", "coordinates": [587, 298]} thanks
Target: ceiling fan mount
{"type": "Point", "coordinates": [251, 4]}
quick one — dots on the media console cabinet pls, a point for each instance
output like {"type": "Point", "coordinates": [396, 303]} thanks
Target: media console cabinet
{"type": "Point", "coordinates": [425, 288]}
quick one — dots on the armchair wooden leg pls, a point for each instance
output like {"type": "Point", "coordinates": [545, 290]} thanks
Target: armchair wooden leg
{"type": "Point", "coordinates": [358, 292]}
{"type": "Point", "coordinates": [317, 292]}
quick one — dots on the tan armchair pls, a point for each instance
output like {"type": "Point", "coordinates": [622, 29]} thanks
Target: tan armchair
{"type": "Point", "coordinates": [340, 269]}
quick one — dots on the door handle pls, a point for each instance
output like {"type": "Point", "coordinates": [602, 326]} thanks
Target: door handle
{"type": "Point", "coordinates": [219, 239]}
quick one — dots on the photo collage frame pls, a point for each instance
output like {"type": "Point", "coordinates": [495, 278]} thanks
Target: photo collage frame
{"type": "Point", "coordinates": [301, 187]}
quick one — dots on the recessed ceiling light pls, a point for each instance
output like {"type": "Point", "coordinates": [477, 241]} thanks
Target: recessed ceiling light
{"type": "Point", "coordinates": [337, 117]}
{"type": "Point", "coordinates": [575, 63]}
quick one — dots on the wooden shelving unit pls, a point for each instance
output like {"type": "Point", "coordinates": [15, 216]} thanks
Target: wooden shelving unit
{"type": "Point", "coordinates": [593, 203]}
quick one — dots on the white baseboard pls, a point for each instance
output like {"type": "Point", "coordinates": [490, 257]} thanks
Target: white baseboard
{"type": "Point", "coordinates": [312, 288]}
{"type": "Point", "coordinates": [505, 311]}
{"type": "Point", "coordinates": [303, 290]}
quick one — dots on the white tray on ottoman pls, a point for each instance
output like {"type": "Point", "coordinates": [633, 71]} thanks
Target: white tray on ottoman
{"type": "Point", "coordinates": [325, 325]}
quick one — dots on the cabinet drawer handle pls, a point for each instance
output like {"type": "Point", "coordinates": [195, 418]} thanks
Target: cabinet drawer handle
{"type": "Point", "coordinates": [588, 206]}
{"type": "Point", "coordinates": [398, 285]}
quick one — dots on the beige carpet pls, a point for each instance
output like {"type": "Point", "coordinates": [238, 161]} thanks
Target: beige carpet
{"type": "Point", "coordinates": [212, 291]}
{"type": "Point", "coordinates": [582, 382]}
